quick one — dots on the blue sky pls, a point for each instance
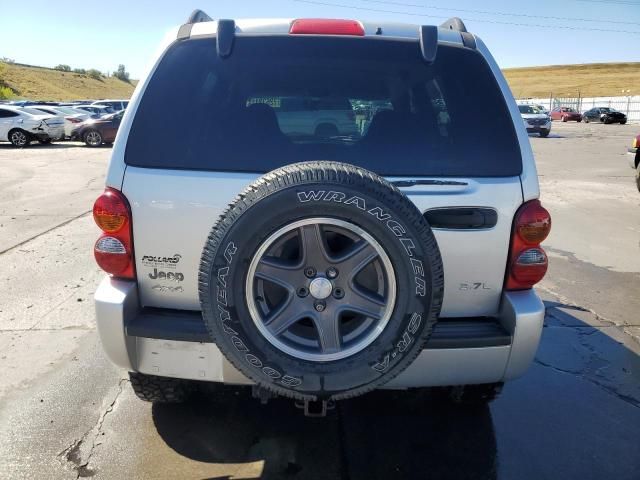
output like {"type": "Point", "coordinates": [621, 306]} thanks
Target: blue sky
{"type": "Point", "coordinates": [92, 34]}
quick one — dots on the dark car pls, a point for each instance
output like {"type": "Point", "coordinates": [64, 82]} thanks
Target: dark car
{"type": "Point", "coordinates": [604, 115]}
{"type": "Point", "coordinates": [565, 114]}
{"type": "Point", "coordinates": [96, 131]}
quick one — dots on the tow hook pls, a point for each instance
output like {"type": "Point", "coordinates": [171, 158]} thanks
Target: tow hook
{"type": "Point", "coordinates": [315, 408]}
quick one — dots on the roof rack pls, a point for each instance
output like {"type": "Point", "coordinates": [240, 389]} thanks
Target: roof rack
{"type": "Point", "coordinates": [454, 23]}
{"type": "Point", "coordinates": [198, 16]}
{"type": "Point", "coordinates": [226, 30]}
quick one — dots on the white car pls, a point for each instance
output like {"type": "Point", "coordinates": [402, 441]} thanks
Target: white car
{"type": "Point", "coordinates": [95, 111]}
{"type": "Point", "coordinates": [22, 125]}
{"type": "Point", "coordinates": [70, 116]}
{"type": "Point", "coordinates": [534, 120]}
{"type": "Point", "coordinates": [542, 108]}
{"type": "Point", "coordinates": [322, 117]}
{"type": "Point", "coordinates": [116, 105]}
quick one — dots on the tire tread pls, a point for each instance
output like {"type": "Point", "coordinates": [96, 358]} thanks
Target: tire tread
{"type": "Point", "coordinates": [319, 172]}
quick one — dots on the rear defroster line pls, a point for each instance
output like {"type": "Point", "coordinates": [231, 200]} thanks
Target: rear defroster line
{"type": "Point", "coordinates": [62, 224]}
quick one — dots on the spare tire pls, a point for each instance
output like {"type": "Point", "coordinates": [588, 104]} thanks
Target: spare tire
{"type": "Point", "coordinates": [321, 281]}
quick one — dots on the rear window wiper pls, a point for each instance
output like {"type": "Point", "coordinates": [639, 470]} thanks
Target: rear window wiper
{"type": "Point", "coordinates": [411, 183]}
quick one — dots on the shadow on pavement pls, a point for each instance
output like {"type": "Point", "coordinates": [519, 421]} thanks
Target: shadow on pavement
{"type": "Point", "coordinates": [382, 435]}
{"type": "Point", "coordinates": [51, 146]}
{"type": "Point", "coordinates": [575, 414]}
{"type": "Point", "coordinates": [551, 135]}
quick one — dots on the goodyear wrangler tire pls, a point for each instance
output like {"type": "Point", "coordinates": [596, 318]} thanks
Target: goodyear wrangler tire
{"type": "Point", "coordinates": [321, 281]}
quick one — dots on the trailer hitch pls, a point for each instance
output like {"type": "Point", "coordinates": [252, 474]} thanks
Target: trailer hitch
{"type": "Point", "coordinates": [315, 408]}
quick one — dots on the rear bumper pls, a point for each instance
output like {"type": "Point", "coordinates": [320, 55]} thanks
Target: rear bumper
{"type": "Point", "coordinates": [53, 131]}
{"type": "Point", "coordinates": [538, 128]}
{"type": "Point", "coordinates": [631, 154]}
{"type": "Point", "coordinates": [175, 344]}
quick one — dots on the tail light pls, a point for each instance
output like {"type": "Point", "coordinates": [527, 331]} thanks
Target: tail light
{"type": "Point", "coordinates": [325, 26]}
{"type": "Point", "coordinates": [114, 249]}
{"type": "Point", "coordinates": [73, 119]}
{"type": "Point", "coordinates": [527, 260]}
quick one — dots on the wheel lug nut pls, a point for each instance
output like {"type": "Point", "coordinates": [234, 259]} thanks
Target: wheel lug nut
{"type": "Point", "coordinates": [303, 292]}
{"type": "Point", "coordinates": [310, 272]}
{"type": "Point", "coordinates": [332, 272]}
{"type": "Point", "coordinates": [338, 293]}
{"type": "Point", "coordinates": [319, 306]}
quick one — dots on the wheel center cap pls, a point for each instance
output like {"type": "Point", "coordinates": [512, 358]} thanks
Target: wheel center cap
{"type": "Point", "coordinates": [320, 288]}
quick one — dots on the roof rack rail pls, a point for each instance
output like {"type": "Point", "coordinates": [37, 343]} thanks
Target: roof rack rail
{"type": "Point", "coordinates": [198, 16]}
{"type": "Point", "coordinates": [454, 23]}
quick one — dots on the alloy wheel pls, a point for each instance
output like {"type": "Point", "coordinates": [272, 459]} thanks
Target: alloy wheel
{"type": "Point", "coordinates": [19, 138]}
{"type": "Point", "coordinates": [320, 289]}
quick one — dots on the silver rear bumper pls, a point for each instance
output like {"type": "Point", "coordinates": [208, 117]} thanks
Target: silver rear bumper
{"type": "Point", "coordinates": [631, 155]}
{"type": "Point", "coordinates": [521, 315]}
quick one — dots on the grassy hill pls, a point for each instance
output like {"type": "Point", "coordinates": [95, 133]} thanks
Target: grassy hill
{"type": "Point", "coordinates": [591, 79]}
{"type": "Point", "coordinates": [37, 83]}
{"type": "Point", "coordinates": [595, 79]}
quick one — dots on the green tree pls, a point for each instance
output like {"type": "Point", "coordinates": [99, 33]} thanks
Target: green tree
{"type": "Point", "coordinates": [6, 93]}
{"type": "Point", "coordinates": [121, 73]}
{"type": "Point", "coordinates": [93, 73]}
{"type": "Point", "coordinates": [81, 71]}
{"type": "Point", "coordinates": [63, 67]}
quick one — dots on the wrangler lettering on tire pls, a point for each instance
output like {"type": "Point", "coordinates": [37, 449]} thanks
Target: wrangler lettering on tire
{"type": "Point", "coordinates": [321, 281]}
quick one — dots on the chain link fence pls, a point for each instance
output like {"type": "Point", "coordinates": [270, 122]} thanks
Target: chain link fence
{"type": "Point", "coordinates": [629, 105]}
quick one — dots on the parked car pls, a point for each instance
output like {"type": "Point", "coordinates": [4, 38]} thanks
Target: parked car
{"type": "Point", "coordinates": [22, 125]}
{"type": "Point", "coordinates": [312, 116]}
{"type": "Point", "coordinates": [27, 103]}
{"type": "Point", "coordinates": [634, 158]}
{"type": "Point", "coordinates": [542, 108]}
{"type": "Point", "coordinates": [116, 105]}
{"type": "Point", "coordinates": [96, 131]}
{"type": "Point", "coordinates": [70, 116]}
{"type": "Point", "coordinates": [604, 115]}
{"type": "Point", "coordinates": [535, 121]}
{"type": "Point", "coordinates": [565, 114]}
{"type": "Point", "coordinates": [322, 280]}
{"type": "Point", "coordinates": [95, 110]}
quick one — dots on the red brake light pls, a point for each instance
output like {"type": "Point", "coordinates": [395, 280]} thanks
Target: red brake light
{"type": "Point", "coordinates": [110, 211]}
{"type": "Point", "coordinates": [325, 26]}
{"type": "Point", "coordinates": [113, 251]}
{"type": "Point", "coordinates": [533, 223]}
{"type": "Point", "coordinates": [73, 119]}
{"type": "Point", "coordinates": [527, 260]}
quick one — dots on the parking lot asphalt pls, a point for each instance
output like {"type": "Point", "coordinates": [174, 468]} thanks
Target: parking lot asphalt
{"type": "Point", "coordinates": [66, 412]}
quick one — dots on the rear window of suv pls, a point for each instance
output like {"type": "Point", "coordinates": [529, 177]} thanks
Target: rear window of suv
{"type": "Point", "coordinates": [370, 102]}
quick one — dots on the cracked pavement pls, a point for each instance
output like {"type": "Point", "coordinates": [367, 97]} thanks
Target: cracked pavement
{"type": "Point", "coordinates": [66, 412]}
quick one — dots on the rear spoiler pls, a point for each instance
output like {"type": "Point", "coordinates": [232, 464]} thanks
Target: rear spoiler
{"type": "Point", "coordinates": [428, 34]}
